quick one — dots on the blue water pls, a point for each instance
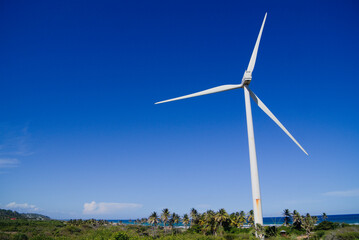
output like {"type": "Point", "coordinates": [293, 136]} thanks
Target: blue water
{"type": "Point", "coordinates": [347, 218]}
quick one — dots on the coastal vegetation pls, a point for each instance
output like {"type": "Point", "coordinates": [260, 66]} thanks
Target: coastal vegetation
{"type": "Point", "coordinates": [8, 214]}
{"type": "Point", "coordinates": [170, 226]}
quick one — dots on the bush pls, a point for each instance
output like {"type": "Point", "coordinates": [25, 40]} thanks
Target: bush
{"type": "Point", "coordinates": [119, 236]}
{"type": "Point", "coordinates": [348, 236]}
{"type": "Point", "coordinates": [347, 233]}
{"type": "Point", "coordinates": [294, 231]}
{"type": "Point", "coordinates": [41, 237]}
{"type": "Point", "coordinates": [194, 229]}
{"type": "Point", "coordinates": [73, 229]}
{"type": "Point", "coordinates": [19, 236]}
{"type": "Point", "coordinates": [231, 236]}
{"type": "Point", "coordinates": [271, 231]}
{"type": "Point", "coordinates": [326, 225]}
{"type": "Point", "coordinates": [4, 236]}
{"type": "Point", "coordinates": [239, 230]}
{"type": "Point", "coordinates": [244, 236]}
{"type": "Point", "coordinates": [319, 234]}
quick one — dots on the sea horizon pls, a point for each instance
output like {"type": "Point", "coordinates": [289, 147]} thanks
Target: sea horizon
{"type": "Point", "coordinates": [340, 218]}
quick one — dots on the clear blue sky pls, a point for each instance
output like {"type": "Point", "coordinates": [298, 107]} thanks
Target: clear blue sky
{"type": "Point", "coordinates": [81, 137]}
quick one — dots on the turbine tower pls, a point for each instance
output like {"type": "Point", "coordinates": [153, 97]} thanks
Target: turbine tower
{"type": "Point", "coordinates": [247, 78]}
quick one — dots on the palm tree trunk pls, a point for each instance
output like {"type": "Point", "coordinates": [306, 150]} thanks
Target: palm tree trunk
{"type": "Point", "coordinates": [221, 226]}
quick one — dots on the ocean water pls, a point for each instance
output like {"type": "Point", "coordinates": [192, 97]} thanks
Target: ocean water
{"type": "Point", "coordinates": [346, 218]}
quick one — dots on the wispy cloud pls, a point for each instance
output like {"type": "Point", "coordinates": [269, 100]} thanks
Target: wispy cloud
{"type": "Point", "coordinates": [346, 193]}
{"type": "Point", "coordinates": [15, 142]}
{"type": "Point", "coordinates": [14, 145]}
{"type": "Point", "coordinates": [9, 162]}
{"type": "Point", "coordinates": [108, 208]}
{"type": "Point", "coordinates": [22, 207]}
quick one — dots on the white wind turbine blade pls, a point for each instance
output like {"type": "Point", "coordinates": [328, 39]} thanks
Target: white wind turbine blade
{"type": "Point", "coordinates": [270, 114]}
{"type": "Point", "coordinates": [205, 92]}
{"type": "Point", "coordinates": [252, 62]}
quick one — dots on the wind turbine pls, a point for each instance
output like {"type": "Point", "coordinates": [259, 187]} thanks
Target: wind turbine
{"type": "Point", "coordinates": [247, 77]}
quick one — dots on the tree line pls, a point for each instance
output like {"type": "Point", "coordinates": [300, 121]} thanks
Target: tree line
{"type": "Point", "coordinates": [214, 223]}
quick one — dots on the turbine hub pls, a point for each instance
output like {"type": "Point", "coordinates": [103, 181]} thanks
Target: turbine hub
{"type": "Point", "coordinates": [247, 77]}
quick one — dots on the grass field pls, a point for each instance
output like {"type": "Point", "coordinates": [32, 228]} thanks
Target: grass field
{"type": "Point", "coordinates": [86, 230]}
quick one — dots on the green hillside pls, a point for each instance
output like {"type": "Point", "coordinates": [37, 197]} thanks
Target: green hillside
{"type": "Point", "coordinates": [9, 214]}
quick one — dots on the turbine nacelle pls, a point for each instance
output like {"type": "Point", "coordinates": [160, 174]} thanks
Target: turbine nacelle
{"type": "Point", "coordinates": [247, 77]}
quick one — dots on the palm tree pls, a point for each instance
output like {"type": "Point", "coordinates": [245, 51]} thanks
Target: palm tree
{"type": "Point", "coordinates": [297, 220]}
{"type": "Point", "coordinates": [324, 216]}
{"type": "Point", "coordinates": [202, 220]}
{"type": "Point", "coordinates": [194, 216]}
{"type": "Point", "coordinates": [234, 218]}
{"type": "Point", "coordinates": [153, 220]}
{"type": "Point", "coordinates": [242, 218]}
{"type": "Point", "coordinates": [250, 218]}
{"type": "Point", "coordinates": [210, 222]}
{"type": "Point", "coordinates": [165, 216]}
{"type": "Point", "coordinates": [175, 218]}
{"type": "Point", "coordinates": [143, 220]}
{"type": "Point", "coordinates": [287, 216]}
{"type": "Point", "coordinates": [185, 220]}
{"type": "Point", "coordinates": [308, 223]}
{"type": "Point", "coordinates": [221, 216]}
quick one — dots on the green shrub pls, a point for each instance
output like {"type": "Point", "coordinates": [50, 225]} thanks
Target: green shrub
{"type": "Point", "coordinates": [348, 236]}
{"type": "Point", "coordinates": [326, 225]}
{"type": "Point", "coordinates": [41, 237]}
{"type": "Point", "coordinates": [294, 231]}
{"type": "Point", "coordinates": [345, 225]}
{"type": "Point", "coordinates": [230, 236]}
{"type": "Point", "coordinates": [19, 236]}
{"type": "Point", "coordinates": [271, 231]}
{"type": "Point", "coordinates": [119, 236]}
{"type": "Point", "coordinates": [347, 233]}
{"type": "Point", "coordinates": [195, 229]}
{"type": "Point", "coordinates": [72, 229]}
{"type": "Point", "coordinates": [239, 230]}
{"type": "Point", "coordinates": [4, 236]}
{"type": "Point", "coordinates": [244, 236]}
{"type": "Point", "coordinates": [318, 235]}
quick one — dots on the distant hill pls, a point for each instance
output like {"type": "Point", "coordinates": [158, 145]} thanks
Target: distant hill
{"type": "Point", "coordinates": [8, 214]}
